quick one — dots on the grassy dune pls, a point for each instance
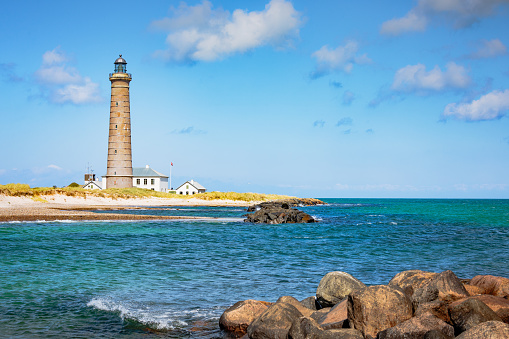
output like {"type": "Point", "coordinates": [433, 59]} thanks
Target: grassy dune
{"type": "Point", "coordinates": [24, 190]}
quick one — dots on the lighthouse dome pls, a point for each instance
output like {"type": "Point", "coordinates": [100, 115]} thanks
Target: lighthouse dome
{"type": "Point", "coordinates": [120, 60]}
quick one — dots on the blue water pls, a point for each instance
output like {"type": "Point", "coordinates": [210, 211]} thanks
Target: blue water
{"type": "Point", "coordinates": [158, 279]}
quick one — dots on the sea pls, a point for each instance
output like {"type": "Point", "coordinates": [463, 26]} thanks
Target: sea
{"type": "Point", "coordinates": [174, 278]}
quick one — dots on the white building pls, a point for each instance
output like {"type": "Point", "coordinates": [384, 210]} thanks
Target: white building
{"type": "Point", "coordinates": [190, 187]}
{"type": "Point", "coordinates": [146, 177]}
{"type": "Point", "coordinates": [91, 183]}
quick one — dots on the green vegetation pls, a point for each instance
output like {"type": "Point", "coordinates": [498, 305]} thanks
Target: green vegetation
{"type": "Point", "coordinates": [74, 184]}
{"type": "Point", "coordinates": [24, 190]}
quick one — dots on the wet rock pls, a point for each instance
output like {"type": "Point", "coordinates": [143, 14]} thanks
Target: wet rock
{"type": "Point", "coordinates": [286, 203]}
{"type": "Point", "coordinates": [306, 328]}
{"type": "Point", "coordinates": [469, 313]}
{"type": "Point", "coordinates": [278, 216]}
{"type": "Point", "coordinates": [411, 280]}
{"type": "Point", "coordinates": [274, 323]}
{"type": "Point", "coordinates": [335, 286]}
{"type": "Point", "coordinates": [238, 317]}
{"type": "Point", "coordinates": [337, 317]}
{"type": "Point", "coordinates": [487, 330]}
{"type": "Point", "coordinates": [417, 327]}
{"type": "Point", "coordinates": [377, 308]}
{"type": "Point", "coordinates": [489, 284]}
{"type": "Point", "coordinates": [445, 286]}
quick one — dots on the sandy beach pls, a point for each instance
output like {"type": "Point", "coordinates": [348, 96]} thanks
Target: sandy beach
{"type": "Point", "coordinates": [62, 207]}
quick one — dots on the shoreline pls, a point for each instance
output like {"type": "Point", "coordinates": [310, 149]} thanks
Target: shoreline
{"type": "Point", "coordinates": [61, 207]}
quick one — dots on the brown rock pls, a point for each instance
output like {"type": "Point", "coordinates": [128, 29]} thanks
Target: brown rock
{"type": "Point", "coordinates": [320, 314]}
{"type": "Point", "coordinates": [437, 307]}
{"type": "Point", "coordinates": [337, 316]}
{"type": "Point", "coordinates": [436, 334]}
{"type": "Point", "coordinates": [498, 304]}
{"type": "Point", "coordinates": [237, 318]}
{"type": "Point", "coordinates": [497, 286]}
{"type": "Point", "coordinates": [309, 302]}
{"type": "Point", "coordinates": [295, 303]}
{"type": "Point", "coordinates": [417, 327]}
{"type": "Point", "coordinates": [274, 323]}
{"type": "Point", "coordinates": [445, 286]}
{"type": "Point", "coordinates": [411, 280]}
{"type": "Point", "coordinates": [307, 328]}
{"type": "Point", "coordinates": [487, 330]}
{"type": "Point", "coordinates": [470, 313]}
{"type": "Point", "coordinates": [376, 308]}
{"type": "Point", "coordinates": [473, 290]}
{"type": "Point", "coordinates": [334, 286]}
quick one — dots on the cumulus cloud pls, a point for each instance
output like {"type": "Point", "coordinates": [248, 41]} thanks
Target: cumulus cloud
{"type": "Point", "coordinates": [201, 33]}
{"type": "Point", "coordinates": [491, 106]}
{"type": "Point", "coordinates": [415, 78]}
{"type": "Point", "coordinates": [62, 83]}
{"type": "Point", "coordinates": [460, 13]}
{"type": "Point", "coordinates": [489, 49]}
{"type": "Point", "coordinates": [342, 58]}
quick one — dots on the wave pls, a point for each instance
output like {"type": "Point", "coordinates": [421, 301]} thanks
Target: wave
{"type": "Point", "coordinates": [138, 313]}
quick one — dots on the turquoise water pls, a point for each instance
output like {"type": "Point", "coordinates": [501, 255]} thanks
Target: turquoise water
{"type": "Point", "coordinates": [174, 278]}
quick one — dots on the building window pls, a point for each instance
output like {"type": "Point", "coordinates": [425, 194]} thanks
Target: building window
{"type": "Point", "coordinates": [116, 103]}
{"type": "Point", "coordinates": [152, 181]}
{"type": "Point", "coordinates": [187, 187]}
{"type": "Point", "coordinates": [115, 126]}
{"type": "Point", "coordinates": [145, 181]}
{"type": "Point", "coordinates": [138, 181]}
{"type": "Point", "coordinates": [115, 151]}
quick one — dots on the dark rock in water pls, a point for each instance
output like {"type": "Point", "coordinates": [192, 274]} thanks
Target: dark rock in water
{"type": "Point", "coordinates": [487, 330]}
{"type": "Point", "coordinates": [334, 286]}
{"type": "Point", "coordinates": [377, 308]}
{"type": "Point", "coordinates": [470, 313]}
{"type": "Point", "coordinates": [286, 204]}
{"type": "Point", "coordinates": [278, 216]}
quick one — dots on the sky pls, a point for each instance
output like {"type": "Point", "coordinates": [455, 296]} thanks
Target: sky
{"type": "Point", "coordinates": [346, 99]}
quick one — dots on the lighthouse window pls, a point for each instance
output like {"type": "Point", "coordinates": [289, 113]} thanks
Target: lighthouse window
{"type": "Point", "coordinates": [116, 103]}
{"type": "Point", "coordinates": [115, 126]}
{"type": "Point", "coordinates": [115, 151]}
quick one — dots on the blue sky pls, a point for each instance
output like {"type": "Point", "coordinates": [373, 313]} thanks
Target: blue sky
{"type": "Point", "coordinates": [314, 99]}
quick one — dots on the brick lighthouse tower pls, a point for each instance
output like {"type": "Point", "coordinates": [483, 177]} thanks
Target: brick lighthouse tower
{"type": "Point", "coordinates": [119, 171]}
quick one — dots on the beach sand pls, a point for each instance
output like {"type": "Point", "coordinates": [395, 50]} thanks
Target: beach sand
{"type": "Point", "coordinates": [62, 207]}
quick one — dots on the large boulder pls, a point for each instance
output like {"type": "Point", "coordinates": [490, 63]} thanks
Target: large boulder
{"type": "Point", "coordinates": [286, 203]}
{"type": "Point", "coordinates": [297, 304]}
{"type": "Point", "coordinates": [411, 280]}
{"type": "Point", "coordinates": [307, 328]}
{"type": "Point", "coordinates": [470, 313]}
{"type": "Point", "coordinates": [489, 284]}
{"type": "Point", "coordinates": [275, 322]}
{"type": "Point", "coordinates": [417, 327]}
{"type": "Point", "coordinates": [278, 215]}
{"type": "Point", "coordinates": [444, 286]}
{"type": "Point", "coordinates": [309, 302]}
{"type": "Point", "coordinates": [497, 304]}
{"type": "Point", "coordinates": [438, 308]}
{"type": "Point", "coordinates": [335, 286]}
{"type": "Point", "coordinates": [238, 317]}
{"type": "Point", "coordinates": [337, 317]}
{"type": "Point", "coordinates": [487, 330]}
{"type": "Point", "coordinates": [376, 308]}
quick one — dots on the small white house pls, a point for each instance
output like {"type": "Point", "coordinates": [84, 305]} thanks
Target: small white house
{"type": "Point", "coordinates": [91, 183]}
{"type": "Point", "coordinates": [146, 177]}
{"type": "Point", "coordinates": [190, 187]}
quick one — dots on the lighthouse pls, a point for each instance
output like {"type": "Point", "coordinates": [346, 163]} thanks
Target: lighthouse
{"type": "Point", "coordinates": [119, 171]}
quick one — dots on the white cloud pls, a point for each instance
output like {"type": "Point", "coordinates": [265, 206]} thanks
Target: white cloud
{"type": "Point", "coordinates": [200, 33]}
{"type": "Point", "coordinates": [461, 13]}
{"type": "Point", "coordinates": [491, 106]}
{"type": "Point", "coordinates": [415, 78]}
{"type": "Point", "coordinates": [58, 168]}
{"type": "Point", "coordinates": [489, 49]}
{"type": "Point", "coordinates": [63, 83]}
{"type": "Point", "coordinates": [342, 58]}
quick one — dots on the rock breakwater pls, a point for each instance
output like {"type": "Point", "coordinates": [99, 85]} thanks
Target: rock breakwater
{"type": "Point", "coordinates": [414, 304]}
{"type": "Point", "coordinates": [281, 211]}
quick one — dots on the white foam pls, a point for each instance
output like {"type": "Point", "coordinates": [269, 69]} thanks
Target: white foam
{"type": "Point", "coordinates": [138, 313]}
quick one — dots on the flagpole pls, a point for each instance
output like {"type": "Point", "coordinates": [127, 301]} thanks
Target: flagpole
{"type": "Point", "coordinates": [171, 165]}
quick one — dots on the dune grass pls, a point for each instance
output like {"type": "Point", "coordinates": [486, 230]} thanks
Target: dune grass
{"type": "Point", "coordinates": [24, 190]}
